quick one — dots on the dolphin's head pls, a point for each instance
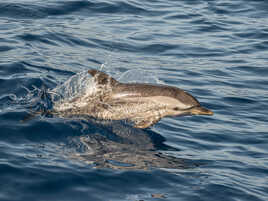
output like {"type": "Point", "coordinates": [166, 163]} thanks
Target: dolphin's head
{"type": "Point", "coordinates": [179, 102]}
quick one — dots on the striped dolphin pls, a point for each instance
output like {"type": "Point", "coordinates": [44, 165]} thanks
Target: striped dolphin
{"type": "Point", "coordinates": [140, 103]}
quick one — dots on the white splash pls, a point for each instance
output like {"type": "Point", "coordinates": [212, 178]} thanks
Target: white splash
{"type": "Point", "coordinates": [139, 75]}
{"type": "Point", "coordinates": [80, 85]}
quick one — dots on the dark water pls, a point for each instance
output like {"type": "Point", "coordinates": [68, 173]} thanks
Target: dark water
{"type": "Point", "coordinates": [216, 50]}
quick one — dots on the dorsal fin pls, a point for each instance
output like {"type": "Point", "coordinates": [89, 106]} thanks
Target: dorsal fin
{"type": "Point", "coordinates": [102, 78]}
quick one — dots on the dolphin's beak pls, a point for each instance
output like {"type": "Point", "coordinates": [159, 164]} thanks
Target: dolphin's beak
{"type": "Point", "coordinates": [200, 111]}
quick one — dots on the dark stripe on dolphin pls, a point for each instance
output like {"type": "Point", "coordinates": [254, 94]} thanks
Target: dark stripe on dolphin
{"type": "Point", "coordinates": [149, 90]}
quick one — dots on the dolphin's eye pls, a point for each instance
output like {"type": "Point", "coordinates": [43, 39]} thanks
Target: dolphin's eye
{"type": "Point", "coordinates": [176, 108]}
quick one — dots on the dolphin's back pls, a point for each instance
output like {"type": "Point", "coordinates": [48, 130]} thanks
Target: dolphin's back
{"type": "Point", "coordinates": [150, 90]}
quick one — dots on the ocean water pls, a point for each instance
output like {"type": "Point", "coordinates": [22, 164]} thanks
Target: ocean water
{"type": "Point", "coordinates": [216, 50]}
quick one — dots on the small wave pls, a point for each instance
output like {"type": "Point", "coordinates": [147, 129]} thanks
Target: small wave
{"type": "Point", "coordinates": [56, 39]}
{"type": "Point", "coordinates": [26, 10]}
{"type": "Point", "coordinates": [35, 11]}
{"type": "Point", "coordinates": [5, 48]}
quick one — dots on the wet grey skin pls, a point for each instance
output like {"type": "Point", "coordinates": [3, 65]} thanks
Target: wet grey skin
{"type": "Point", "coordinates": [142, 104]}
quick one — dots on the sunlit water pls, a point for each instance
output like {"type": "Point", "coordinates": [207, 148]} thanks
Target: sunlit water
{"type": "Point", "coordinates": [216, 50]}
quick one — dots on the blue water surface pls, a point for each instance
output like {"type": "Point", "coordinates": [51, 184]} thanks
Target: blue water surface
{"type": "Point", "coordinates": [216, 50]}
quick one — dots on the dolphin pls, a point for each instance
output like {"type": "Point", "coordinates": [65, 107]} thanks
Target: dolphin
{"type": "Point", "coordinates": [140, 103]}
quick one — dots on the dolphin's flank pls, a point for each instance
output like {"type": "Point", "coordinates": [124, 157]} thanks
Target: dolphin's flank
{"type": "Point", "coordinates": [142, 104]}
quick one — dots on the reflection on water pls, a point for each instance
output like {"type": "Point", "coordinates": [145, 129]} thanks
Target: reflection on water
{"type": "Point", "coordinates": [125, 147]}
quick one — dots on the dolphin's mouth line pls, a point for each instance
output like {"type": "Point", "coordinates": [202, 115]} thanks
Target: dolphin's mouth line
{"type": "Point", "coordinates": [196, 110]}
{"type": "Point", "coordinates": [189, 108]}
